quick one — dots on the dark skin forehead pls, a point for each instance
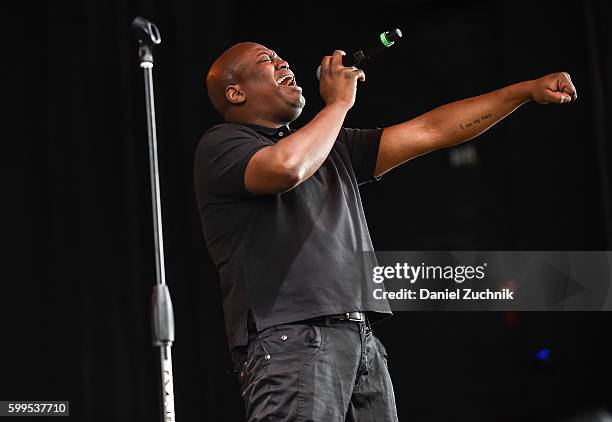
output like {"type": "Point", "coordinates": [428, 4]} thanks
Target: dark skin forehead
{"type": "Point", "coordinates": [230, 67]}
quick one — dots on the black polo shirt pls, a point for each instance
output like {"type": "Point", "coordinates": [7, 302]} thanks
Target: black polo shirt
{"type": "Point", "coordinates": [288, 256]}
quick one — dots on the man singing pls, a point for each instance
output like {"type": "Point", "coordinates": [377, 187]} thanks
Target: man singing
{"type": "Point", "coordinates": [283, 221]}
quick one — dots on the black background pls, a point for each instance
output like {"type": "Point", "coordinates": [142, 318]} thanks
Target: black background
{"type": "Point", "coordinates": [80, 255]}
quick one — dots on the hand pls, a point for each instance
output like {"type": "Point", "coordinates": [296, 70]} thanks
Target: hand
{"type": "Point", "coordinates": [339, 83]}
{"type": "Point", "coordinates": [554, 88]}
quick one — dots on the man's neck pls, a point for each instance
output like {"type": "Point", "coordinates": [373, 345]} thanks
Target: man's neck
{"type": "Point", "coordinates": [254, 121]}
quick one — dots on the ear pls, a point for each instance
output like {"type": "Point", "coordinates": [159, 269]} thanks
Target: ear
{"type": "Point", "coordinates": [234, 94]}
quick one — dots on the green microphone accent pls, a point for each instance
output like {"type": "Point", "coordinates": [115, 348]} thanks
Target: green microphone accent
{"type": "Point", "coordinates": [385, 41]}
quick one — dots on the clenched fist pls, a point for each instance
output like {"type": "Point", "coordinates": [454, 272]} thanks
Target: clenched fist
{"type": "Point", "coordinates": [554, 88]}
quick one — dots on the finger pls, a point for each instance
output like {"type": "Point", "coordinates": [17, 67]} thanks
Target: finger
{"type": "Point", "coordinates": [337, 58]}
{"type": "Point", "coordinates": [569, 87]}
{"type": "Point", "coordinates": [354, 73]}
{"type": "Point", "coordinates": [325, 65]}
{"type": "Point", "coordinates": [360, 75]}
{"type": "Point", "coordinates": [565, 85]}
{"type": "Point", "coordinates": [559, 97]}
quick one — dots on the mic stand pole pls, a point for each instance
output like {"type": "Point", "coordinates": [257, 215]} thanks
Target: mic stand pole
{"type": "Point", "coordinates": [162, 316]}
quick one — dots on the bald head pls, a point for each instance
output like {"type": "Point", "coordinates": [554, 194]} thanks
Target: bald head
{"type": "Point", "coordinates": [227, 70]}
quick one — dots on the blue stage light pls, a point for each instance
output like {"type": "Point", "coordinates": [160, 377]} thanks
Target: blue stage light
{"type": "Point", "coordinates": [543, 354]}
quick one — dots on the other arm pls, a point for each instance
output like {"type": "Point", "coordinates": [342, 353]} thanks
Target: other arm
{"type": "Point", "coordinates": [460, 121]}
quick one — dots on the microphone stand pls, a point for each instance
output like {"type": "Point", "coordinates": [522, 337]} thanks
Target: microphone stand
{"type": "Point", "coordinates": [162, 316]}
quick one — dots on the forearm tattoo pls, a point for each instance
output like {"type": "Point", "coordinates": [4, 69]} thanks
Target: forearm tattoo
{"type": "Point", "coordinates": [476, 121]}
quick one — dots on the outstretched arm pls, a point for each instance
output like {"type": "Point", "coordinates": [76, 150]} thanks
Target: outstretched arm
{"type": "Point", "coordinates": [463, 120]}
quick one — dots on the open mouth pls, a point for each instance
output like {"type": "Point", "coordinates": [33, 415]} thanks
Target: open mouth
{"type": "Point", "coordinates": [287, 80]}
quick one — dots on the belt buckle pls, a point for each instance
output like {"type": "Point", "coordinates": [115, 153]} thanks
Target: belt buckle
{"type": "Point", "coordinates": [355, 319]}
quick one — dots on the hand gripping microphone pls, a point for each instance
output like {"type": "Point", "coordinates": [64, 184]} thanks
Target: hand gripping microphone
{"type": "Point", "coordinates": [374, 47]}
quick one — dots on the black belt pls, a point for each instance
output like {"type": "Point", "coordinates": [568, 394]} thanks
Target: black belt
{"type": "Point", "coordinates": [347, 316]}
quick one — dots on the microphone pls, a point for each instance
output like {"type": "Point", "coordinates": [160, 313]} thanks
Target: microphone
{"type": "Point", "coordinates": [374, 47]}
{"type": "Point", "coordinates": [148, 37]}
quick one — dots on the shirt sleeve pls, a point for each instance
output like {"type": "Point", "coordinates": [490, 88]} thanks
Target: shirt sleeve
{"type": "Point", "coordinates": [362, 146]}
{"type": "Point", "coordinates": [221, 160]}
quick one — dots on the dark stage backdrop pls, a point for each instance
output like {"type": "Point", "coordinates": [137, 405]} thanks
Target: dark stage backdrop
{"type": "Point", "coordinates": [81, 263]}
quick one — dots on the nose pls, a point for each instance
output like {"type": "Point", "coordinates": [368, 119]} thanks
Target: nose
{"type": "Point", "coordinates": [281, 64]}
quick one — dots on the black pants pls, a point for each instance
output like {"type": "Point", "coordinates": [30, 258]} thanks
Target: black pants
{"type": "Point", "coordinates": [318, 371]}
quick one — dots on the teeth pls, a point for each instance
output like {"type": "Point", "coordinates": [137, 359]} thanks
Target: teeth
{"type": "Point", "coordinates": [283, 78]}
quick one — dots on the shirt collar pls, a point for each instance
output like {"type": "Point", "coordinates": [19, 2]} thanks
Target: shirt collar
{"type": "Point", "coordinates": [277, 133]}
